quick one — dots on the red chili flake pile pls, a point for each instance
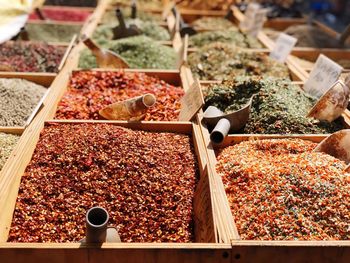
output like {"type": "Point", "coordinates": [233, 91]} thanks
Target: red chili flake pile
{"type": "Point", "coordinates": [281, 190]}
{"type": "Point", "coordinates": [30, 57]}
{"type": "Point", "coordinates": [145, 180]}
{"type": "Point", "coordinates": [90, 91]}
{"type": "Point", "coordinates": [74, 15]}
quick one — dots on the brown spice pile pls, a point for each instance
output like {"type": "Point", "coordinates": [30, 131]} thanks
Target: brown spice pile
{"type": "Point", "coordinates": [281, 190]}
{"type": "Point", "coordinates": [145, 180]}
{"type": "Point", "coordinates": [90, 91]}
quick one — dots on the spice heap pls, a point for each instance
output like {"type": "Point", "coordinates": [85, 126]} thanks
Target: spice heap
{"type": "Point", "coordinates": [219, 61]}
{"type": "Point", "coordinates": [151, 4]}
{"type": "Point", "coordinates": [281, 190]}
{"type": "Point", "coordinates": [213, 23]}
{"type": "Point", "coordinates": [90, 91]}
{"type": "Point", "coordinates": [139, 52]}
{"type": "Point", "coordinates": [110, 17]}
{"type": "Point", "coordinates": [104, 33]}
{"type": "Point", "coordinates": [30, 57]}
{"type": "Point", "coordinates": [18, 98]}
{"type": "Point", "coordinates": [232, 36]}
{"type": "Point", "coordinates": [312, 36]}
{"type": "Point", "coordinates": [207, 4]}
{"type": "Point", "coordinates": [7, 144]}
{"type": "Point", "coordinates": [145, 180]}
{"type": "Point", "coordinates": [91, 3]}
{"type": "Point", "coordinates": [59, 14]}
{"type": "Point", "coordinates": [278, 106]}
{"type": "Point", "coordinates": [52, 32]}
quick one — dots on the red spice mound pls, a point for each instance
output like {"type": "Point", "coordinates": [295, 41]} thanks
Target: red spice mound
{"type": "Point", "coordinates": [145, 180]}
{"type": "Point", "coordinates": [281, 190]}
{"type": "Point", "coordinates": [90, 91]}
{"type": "Point", "coordinates": [30, 56]}
{"type": "Point", "coordinates": [74, 15]}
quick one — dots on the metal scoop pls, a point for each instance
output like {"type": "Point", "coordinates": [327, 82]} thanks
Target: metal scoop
{"type": "Point", "coordinates": [122, 31]}
{"type": "Point", "coordinates": [225, 123]}
{"type": "Point", "coordinates": [104, 58]}
{"type": "Point", "coordinates": [338, 146]}
{"type": "Point", "coordinates": [333, 103]}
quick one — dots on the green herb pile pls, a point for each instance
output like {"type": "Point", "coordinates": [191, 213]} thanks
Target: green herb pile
{"type": "Point", "coordinates": [220, 61]}
{"type": "Point", "coordinates": [139, 52]}
{"type": "Point", "coordinates": [212, 23]}
{"type": "Point", "coordinates": [110, 17]}
{"type": "Point", "coordinates": [278, 106]}
{"type": "Point", "coordinates": [52, 32]}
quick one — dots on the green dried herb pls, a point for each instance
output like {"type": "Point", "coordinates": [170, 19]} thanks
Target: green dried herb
{"type": "Point", "coordinates": [213, 23]}
{"type": "Point", "coordinates": [139, 52]}
{"type": "Point", "coordinates": [7, 144]}
{"type": "Point", "coordinates": [52, 32]}
{"type": "Point", "coordinates": [232, 36]}
{"type": "Point", "coordinates": [278, 106]}
{"type": "Point", "coordinates": [110, 17]}
{"type": "Point", "coordinates": [104, 33]}
{"type": "Point", "coordinates": [219, 61]}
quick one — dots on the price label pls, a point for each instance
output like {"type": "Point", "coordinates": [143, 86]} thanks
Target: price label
{"type": "Point", "coordinates": [254, 19]}
{"type": "Point", "coordinates": [283, 47]}
{"type": "Point", "coordinates": [323, 75]}
{"type": "Point", "coordinates": [192, 102]}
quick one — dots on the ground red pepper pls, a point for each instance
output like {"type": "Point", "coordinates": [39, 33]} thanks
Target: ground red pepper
{"type": "Point", "coordinates": [90, 91]}
{"type": "Point", "coordinates": [74, 15]}
{"type": "Point", "coordinates": [281, 190]}
{"type": "Point", "coordinates": [145, 180]}
{"type": "Point", "coordinates": [30, 57]}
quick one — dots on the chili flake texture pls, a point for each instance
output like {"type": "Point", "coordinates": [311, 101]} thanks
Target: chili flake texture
{"type": "Point", "coordinates": [30, 57]}
{"type": "Point", "coordinates": [145, 180]}
{"type": "Point", "coordinates": [90, 91]}
{"type": "Point", "coordinates": [281, 190]}
{"type": "Point", "coordinates": [219, 61]}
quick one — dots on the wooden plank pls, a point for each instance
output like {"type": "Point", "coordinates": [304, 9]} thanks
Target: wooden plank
{"type": "Point", "coordinates": [291, 251]}
{"type": "Point", "coordinates": [123, 253]}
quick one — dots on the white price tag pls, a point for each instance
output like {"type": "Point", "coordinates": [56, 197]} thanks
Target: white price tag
{"type": "Point", "coordinates": [323, 75]}
{"type": "Point", "coordinates": [254, 19]}
{"type": "Point", "coordinates": [283, 47]}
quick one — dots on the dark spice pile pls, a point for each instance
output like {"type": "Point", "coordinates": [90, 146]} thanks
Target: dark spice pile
{"type": "Point", "coordinates": [281, 190]}
{"type": "Point", "coordinates": [278, 107]}
{"type": "Point", "coordinates": [219, 61]}
{"type": "Point", "coordinates": [50, 32]}
{"type": "Point", "coordinates": [30, 57]}
{"type": "Point", "coordinates": [139, 52]}
{"type": "Point", "coordinates": [312, 36]}
{"type": "Point", "coordinates": [7, 144]}
{"type": "Point", "coordinates": [18, 99]}
{"type": "Point", "coordinates": [90, 91]}
{"type": "Point", "coordinates": [147, 4]}
{"type": "Point", "coordinates": [145, 180]}
{"type": "Point", "coordinates": [63, 14]}
{"type": "Point", "coordinates": [232, 36]}
{"type": "Point", "coordinates": [212, 23]}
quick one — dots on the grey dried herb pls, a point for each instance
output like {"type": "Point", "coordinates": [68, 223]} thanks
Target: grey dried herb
{"type": "Point", "coordinates": [7, 144]}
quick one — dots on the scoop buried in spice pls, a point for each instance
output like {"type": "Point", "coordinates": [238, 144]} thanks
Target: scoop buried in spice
{"type": "Point", "coordinates": [224, 123]}
{"type": "Point", "coordinates": [333, 103]}
{"type": "Point", "coordinates": [337, 145]}
{"type": "Point", "coordinates": [97, 230]}
{"type": "Point", "coordinates": [104, 58]}
{"type": "Point", "coordinates": [122, 31]}
{"type": "Point", "coordinates": [131, 109]}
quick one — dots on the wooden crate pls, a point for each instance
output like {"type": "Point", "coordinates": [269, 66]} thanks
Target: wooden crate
{"type": "Point", "coordinates": [42, 79]}
{"type": "Point", "coordinates": [273, 251]}
{"type": "Point", "coordinates": [207, 229]}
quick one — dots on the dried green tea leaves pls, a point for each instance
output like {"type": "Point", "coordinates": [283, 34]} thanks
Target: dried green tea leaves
{"type": "Point", "coordinates": [52, 32]}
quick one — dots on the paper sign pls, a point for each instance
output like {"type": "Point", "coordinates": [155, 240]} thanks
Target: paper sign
{"type": "Point", "coordinates": [192, 102]}
{"type": "Point", "coordinates": [323, 75]}
{"type": "Point", "coordinates": [283, 47]}
{"type": "Point", "coordinates": [254, 19]}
